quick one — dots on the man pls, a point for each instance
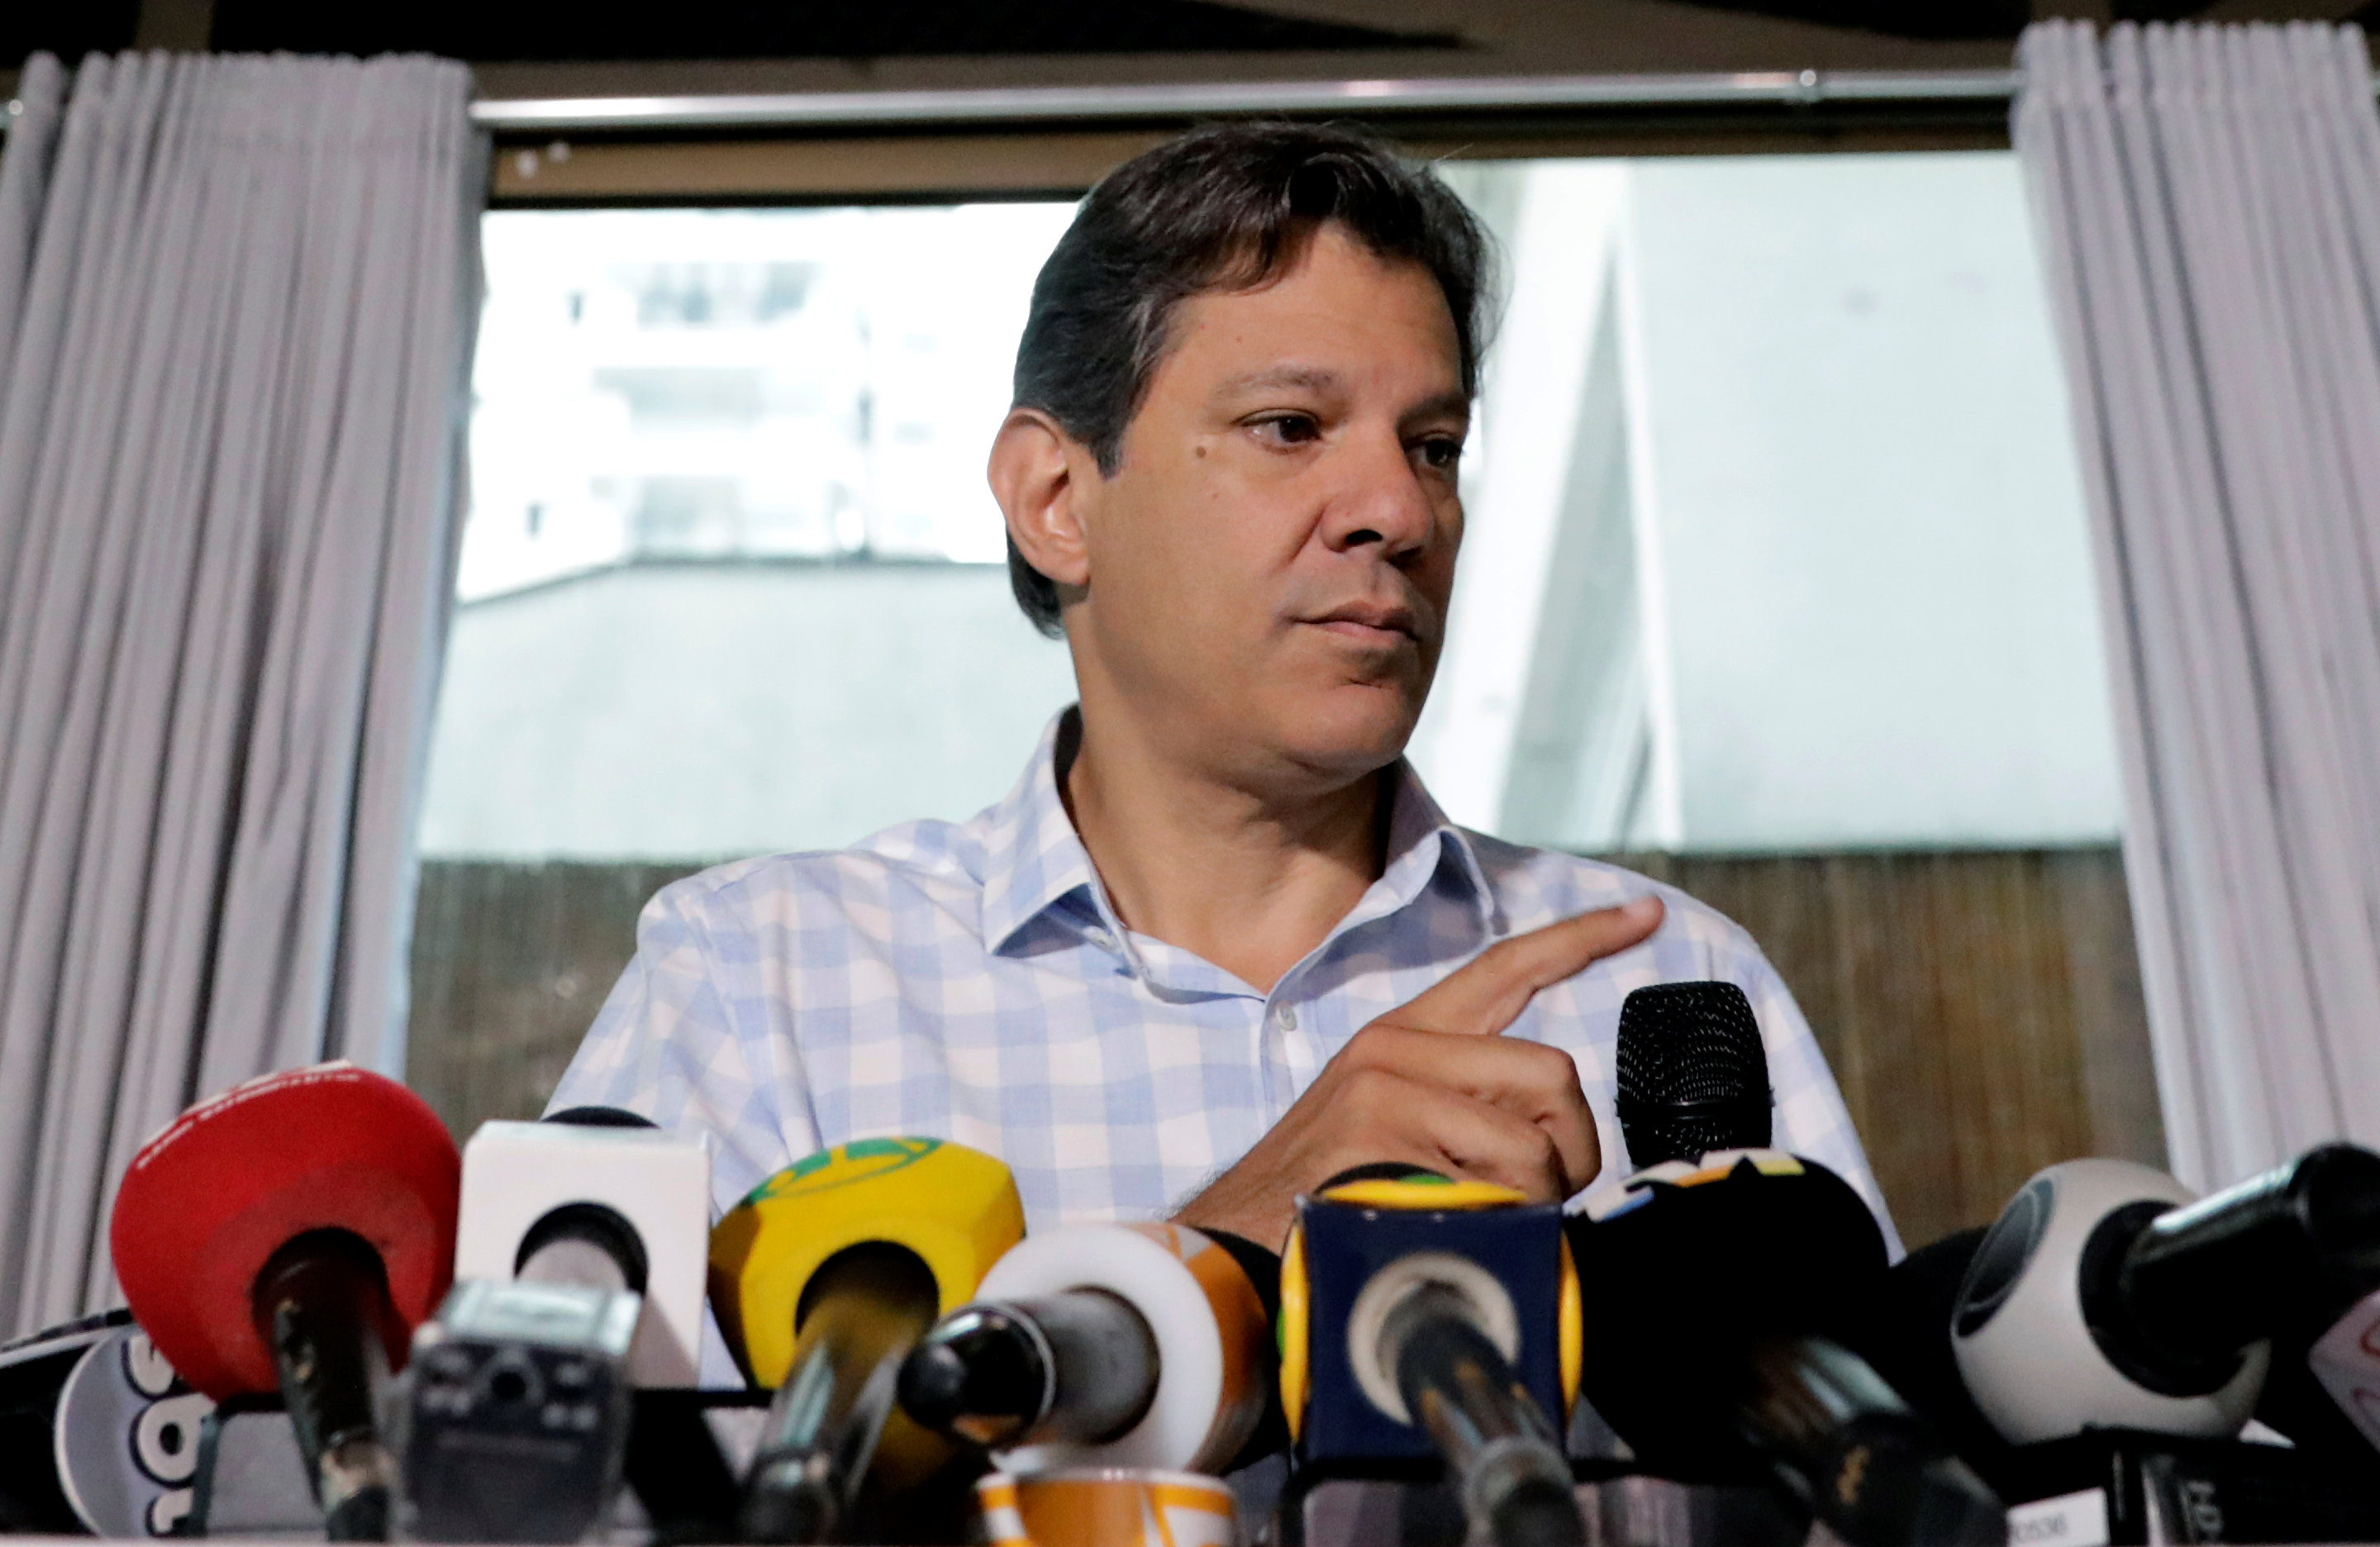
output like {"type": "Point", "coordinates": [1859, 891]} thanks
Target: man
{"type": "Point", "coordinates": [1217, 945]}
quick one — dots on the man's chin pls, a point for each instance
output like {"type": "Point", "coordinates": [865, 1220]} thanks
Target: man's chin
{"type": "Point", "coordinates": [1348, 733]}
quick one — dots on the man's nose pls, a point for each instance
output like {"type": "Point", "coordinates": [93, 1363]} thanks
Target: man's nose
{"type": "Point", "coordinates": [1378, 500]}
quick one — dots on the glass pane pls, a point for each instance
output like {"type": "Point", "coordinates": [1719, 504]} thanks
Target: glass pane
{"type": "Point", "coordinates": [716, 384]}
{"type": "Point", "coordinates": [1777, 535]}
{"type": "Point", "coordinates": [731, 581]}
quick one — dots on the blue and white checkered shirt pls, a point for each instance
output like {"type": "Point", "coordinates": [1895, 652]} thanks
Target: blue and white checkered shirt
{"type": "Point", "coordinates": [971, 981]}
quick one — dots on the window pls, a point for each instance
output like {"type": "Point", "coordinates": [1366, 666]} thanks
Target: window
{"type": "Point", "coordinates": [732, 581]}
{"type": "Point", "coordinates": [1777, 578]}
{"type": "Point", "coordinates": [1777, 541]}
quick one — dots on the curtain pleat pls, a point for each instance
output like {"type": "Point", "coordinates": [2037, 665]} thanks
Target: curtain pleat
{"type": "Point", "coordinates": [2207, 201]}
{"type": "Point", "coordinates": [24, 185]}
{"type": "Point", "coordinates": [238, 337]}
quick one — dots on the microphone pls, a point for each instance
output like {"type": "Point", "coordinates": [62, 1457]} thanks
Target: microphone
{"type": "Point", "coordinates": [600, 1198]}
{"type": "Point", "coordinates": [1102, 1346]}
{"type": "Point", "coordinates": [823, 1278]}
{"type": "Point", "coordinates": [1905, 1336]}
{"type": "Point", "coordinates": [97, 1433]}
{"type": "Point", "coordinates": [603, 1199]}
{"type": "Point", "coordinates": [34, 1371]}
{"type": "Point", "coordinates": [2346, 1361]}
{"type": "Point", "coordinates": [1421, 1316]}
{"type": "Point", "coordinates": [1728, 1290]}
{"type": "Point", "coordinates": [127, 1439]}
{"type": "Point", "coordinates": [516, 1412]}
{"type": "Point", "coordinates": [2105, 1297]}
{"type": "Point", "coordinates": [290, 1232]}
{"type": "Point", "coordinates": [1692, 1073]}
{"type": "Point", "coordinates": [2300, 1240]}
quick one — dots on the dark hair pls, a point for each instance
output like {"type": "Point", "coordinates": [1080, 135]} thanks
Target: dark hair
{"type": "Point", "coordinates": [1222, 208]}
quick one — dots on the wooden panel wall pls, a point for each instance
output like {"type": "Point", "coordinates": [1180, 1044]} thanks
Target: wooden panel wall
{"type": "Point", "coordinates": [1981, 1010]}
{"type": "Point", "coordinates": [510, 964]}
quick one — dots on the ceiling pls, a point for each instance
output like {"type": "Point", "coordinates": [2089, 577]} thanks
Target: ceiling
{"type": "Point", "coordinates": [563, 29]}
{"type": "Point", "coordinates": [568, 47]}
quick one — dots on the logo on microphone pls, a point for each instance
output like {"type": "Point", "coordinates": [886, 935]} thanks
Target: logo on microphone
{"type": "Point", "coordinates": [127, 1432]}
{"type": "Point", "coordinates": [862, 1160]}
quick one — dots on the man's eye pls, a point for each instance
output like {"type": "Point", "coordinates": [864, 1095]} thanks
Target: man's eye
{"type": "Point", "coordinates": [1287, 429]}
{"type": "Point", "coordinates": [1442, 453]}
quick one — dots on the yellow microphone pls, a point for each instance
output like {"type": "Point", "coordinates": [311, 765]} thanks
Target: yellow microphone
{"type": "Point", "coordinates": [822, 1279]}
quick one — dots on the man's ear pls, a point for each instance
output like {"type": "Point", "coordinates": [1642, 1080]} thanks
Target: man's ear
{"type": "Point", "coordinates": [1039, 476]}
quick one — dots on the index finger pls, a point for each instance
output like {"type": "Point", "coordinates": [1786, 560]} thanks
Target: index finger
{"type": "Point", "coordinates": [1489, 993]}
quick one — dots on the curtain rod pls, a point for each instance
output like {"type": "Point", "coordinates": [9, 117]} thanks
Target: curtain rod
{"type": "Point", "coordinates": [1782, 89]}
{"type": "Point", "coordinates": [1110, 104]}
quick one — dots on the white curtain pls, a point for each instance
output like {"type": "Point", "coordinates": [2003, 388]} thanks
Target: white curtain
{"type": "Point", "coordinates": [2209, 205]}
{"type": "Point", "coordinates": [236, 298]}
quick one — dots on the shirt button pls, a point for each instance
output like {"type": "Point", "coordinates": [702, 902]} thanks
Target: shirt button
{"type": "Point", "coordinates": [1100, 938]}
{"type": "Point", "coordinates": [1285, 1018]}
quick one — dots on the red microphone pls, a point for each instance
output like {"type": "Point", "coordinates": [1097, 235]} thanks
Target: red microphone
{"type": "Point", "coordinates": [290, 1232]}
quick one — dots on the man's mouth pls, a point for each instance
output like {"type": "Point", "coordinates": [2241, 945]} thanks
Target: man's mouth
{"type": "Point", "coordinates": [1370, 624]}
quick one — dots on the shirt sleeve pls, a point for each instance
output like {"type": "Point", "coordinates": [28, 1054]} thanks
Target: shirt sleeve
{"type": "Point", "coordinates": [1811, 1121]}
{"type": "Point", "coordinates": [668, 1045]}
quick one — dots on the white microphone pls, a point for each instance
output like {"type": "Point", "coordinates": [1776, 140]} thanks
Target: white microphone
{"type": "Point", "coordinates": [586, 1199]}
{"type": "Point", "coordinates": [128, 1437]}
{"type": "Point", "coordinates": [123, 1429]}
{"type": "Point", "coordinates": [2037, 1360]}
{"type": "Point", "coordinates": [1102, 1344]}
{"type": "Point", "coordinates": [2105, 1297]}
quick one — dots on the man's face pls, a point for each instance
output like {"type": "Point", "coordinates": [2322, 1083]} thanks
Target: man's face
{"type": "Point", "coordinates": [1269, 566]}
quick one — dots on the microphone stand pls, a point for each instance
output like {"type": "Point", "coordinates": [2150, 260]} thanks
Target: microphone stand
{"type": "Point", "coordinates": [1503, 1457]}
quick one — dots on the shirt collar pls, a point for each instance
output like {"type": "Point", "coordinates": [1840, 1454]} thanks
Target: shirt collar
{"type": "Point", "coordinates": [1032, 855]}
{"type": "Point", "coordinates": [1034, 859]}
{"type": "Point", "coordinates": [1422, 842]}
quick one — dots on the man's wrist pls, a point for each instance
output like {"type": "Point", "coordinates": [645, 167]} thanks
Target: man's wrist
{"type": "Point", "coordinates": [1232, 1206]}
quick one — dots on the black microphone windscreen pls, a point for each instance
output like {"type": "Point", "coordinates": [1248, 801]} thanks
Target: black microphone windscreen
{"type": "Point", "coordinates": [1692, 1073]}
{"type": "Point", "coordinates": [1907, 1338]}
{"type": "Point", "coordinates": [1680, 1276]}
{"type": "Point", "coordinates": [599, 1117]}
